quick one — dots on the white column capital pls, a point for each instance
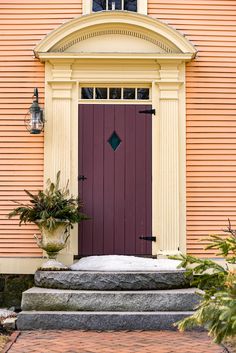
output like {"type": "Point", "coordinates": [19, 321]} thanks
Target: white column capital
{"type": "Point", "coordinates": [61, 89]}
{"type": "Point", "coordinates": [169, 71]}
{"type": "Point", "coordinates": [169, 90]}
{"type": "Point", "coordinates": [62, 70]}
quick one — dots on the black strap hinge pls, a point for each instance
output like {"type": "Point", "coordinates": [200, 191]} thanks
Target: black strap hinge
{"type": "Point", "coordinates": [149, 111]}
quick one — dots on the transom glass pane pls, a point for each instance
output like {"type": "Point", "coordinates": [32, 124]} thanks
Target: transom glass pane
{"type": "Point", "coordinates": [129, 93]}
{"type": "Point", "coordinates": [143, 93]}
{"type": "Point", "coordinates": [87, 93]}
{"type": "Point", "coordinates": [101, 93]}
{"type": "Point", "coordinates": [99, 5]}
{"type": "Point", "coordinates": [115, 93]}
{"type": "Point", "coordinates": [117, 3]}
{"type": "Point", "coordinates": [131, 5]}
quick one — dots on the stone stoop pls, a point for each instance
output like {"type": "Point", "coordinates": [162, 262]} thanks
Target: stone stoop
{"type": "Point", "coordinates": [107, 301]}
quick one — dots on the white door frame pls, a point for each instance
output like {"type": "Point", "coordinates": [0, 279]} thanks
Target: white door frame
{"type": "Point", "coordinates": [165, 72]}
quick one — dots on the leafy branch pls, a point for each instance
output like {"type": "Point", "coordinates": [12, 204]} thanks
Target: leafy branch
{"type": "Point", "coordinates": [50, 206]}
{"type": "Point", "coordinates": [217, 310]}
{"type": "Point", "coordinates": [225, 245]}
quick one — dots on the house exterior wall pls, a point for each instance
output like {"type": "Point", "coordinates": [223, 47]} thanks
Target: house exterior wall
{"type": "Point", "coordinates": [22, 25]}
{"type": "Point", "coordinates": [211, 126]}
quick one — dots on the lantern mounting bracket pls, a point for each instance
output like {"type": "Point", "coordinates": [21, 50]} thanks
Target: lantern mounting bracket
{"type": "Point", "coordinates": [36, 95]}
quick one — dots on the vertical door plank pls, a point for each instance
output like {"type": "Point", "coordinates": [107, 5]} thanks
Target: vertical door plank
{"type": "Point", "coordinates": [130, 186]}
{"type": "Point", "coordinates": [119, 179]}
{"type": "Point", "coordinates": [148, 179]}
{"type": "Point", "coordinates": [109, 175]}
{"type": "Point", "coordinates": [98, 190]}
{"type": "Point", "coordinates": [140, 174]}
{"type": "Point", "coordinates": [80, 185]}
{"type": "Point", "coordinates": [86, 115]}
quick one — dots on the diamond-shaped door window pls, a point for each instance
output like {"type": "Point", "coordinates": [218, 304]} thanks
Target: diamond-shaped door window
{"type": "Point", "coordinates": [114, 141]}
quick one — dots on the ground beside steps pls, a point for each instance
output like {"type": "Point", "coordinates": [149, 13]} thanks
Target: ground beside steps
{"type": "Point", "coordinates": [107, 301]}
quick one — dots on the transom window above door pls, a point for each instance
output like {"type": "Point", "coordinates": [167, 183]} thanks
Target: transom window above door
{"type": "Point", "coordinates": [128, 5]}
{"type": "Point", "coordinates": [115, 93]}
{"type": "Point", "coordinates": [139, 6]}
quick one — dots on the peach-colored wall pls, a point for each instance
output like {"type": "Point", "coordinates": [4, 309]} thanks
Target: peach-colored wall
{"type": "Point", "coordinates": [211, 122]}
{"type": "Point", "coordinates": [211, 112]}
{"type": "Point", "coordinates": [22, 25]}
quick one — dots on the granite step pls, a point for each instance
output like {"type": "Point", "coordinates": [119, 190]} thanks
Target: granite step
{"type": "Point", "coordinates": [44, 299]}
{"type": "Point", "coordinates": [91, 280]}
{"type": "Point", "coordinates": [64, 320]}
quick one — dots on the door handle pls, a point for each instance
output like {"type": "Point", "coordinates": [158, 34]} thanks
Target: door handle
{"type": "Point", "coordinates": [82, 177]}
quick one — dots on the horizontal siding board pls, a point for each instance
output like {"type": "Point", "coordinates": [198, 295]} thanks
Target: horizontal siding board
{"type": "Point", "coordinates": [22, 25]}
{"type": "Point", "coordinates": [211, 109]}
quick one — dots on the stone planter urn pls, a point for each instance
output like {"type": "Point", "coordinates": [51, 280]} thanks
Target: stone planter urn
{"type": "Point", "coordinates": [53, 241]}
{"type": "Point", "coordinates": [54, 211]}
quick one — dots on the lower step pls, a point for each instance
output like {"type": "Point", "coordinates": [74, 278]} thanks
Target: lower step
{"type": "Point", "coordinates": [43, 299]}
{"type": "Point", "coordinates": [64, 320]}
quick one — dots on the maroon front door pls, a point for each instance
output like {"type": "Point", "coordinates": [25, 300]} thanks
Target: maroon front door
{"type": "Point", "coordinates": [115, 153]}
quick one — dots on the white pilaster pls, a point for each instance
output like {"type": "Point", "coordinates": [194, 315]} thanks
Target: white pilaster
{"type": "Point", "coordinates": [155, 167]}
{"type": "Point", "coordinates": [169, 155]}
{"type": "Point", "coordinates": [169, 176]}
{"type": "Point", "coordinates": [58, 141]}
{"type": "Point", "coordinates": [59, 135]}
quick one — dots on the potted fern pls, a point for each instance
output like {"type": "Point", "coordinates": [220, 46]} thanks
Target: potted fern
{"type": "Point", "coordinates": [54, 211]}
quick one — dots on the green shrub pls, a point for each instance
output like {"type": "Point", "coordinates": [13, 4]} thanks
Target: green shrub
{"type": "Point", "coordinates": [217, 310]}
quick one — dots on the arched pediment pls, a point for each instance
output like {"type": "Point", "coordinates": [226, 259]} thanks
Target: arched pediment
{"type": "Point", "coordinates": [114, 32]}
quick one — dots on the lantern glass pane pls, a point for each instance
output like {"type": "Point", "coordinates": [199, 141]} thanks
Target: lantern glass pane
{"type": "Point", "coordinates": [36, 123]}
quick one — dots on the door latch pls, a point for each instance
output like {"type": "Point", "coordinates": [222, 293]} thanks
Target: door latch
{"type": "Point", "coordinates": [82, 177]}
{"type": "Point", "coordinates": [149, 111]}
{"type": "Point", "coordinates": [149, 238]}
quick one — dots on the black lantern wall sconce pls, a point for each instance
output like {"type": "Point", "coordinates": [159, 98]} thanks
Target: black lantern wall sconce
{"type": "Point", "coordinates": [34, 120]}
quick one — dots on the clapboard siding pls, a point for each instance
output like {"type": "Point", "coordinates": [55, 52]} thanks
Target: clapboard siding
{"type": "Point", "coordinates": [211, 108]}
{"type": "Point", "coordinates": [211, 125]}
{"type": "Point", "coordinates": [23, 23]}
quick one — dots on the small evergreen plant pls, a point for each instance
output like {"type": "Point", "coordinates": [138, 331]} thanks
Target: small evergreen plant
{"type": "Point", "coordinates": [217, 310]}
